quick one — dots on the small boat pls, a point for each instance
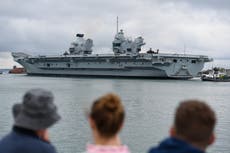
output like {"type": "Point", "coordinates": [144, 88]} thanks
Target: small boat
{"type": "Point", "coordinates": [17, 70]}
{"type": "Point", "coordinates": [216, 75]}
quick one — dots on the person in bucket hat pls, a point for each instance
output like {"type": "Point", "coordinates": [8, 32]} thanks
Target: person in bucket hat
{"type": "Point", "coordinates": [32, 117]}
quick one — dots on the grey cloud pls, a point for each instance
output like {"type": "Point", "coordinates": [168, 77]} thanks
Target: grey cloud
{"type": "Point", "coordinates": [49, 26]}
{"type": "Point", "coordinates": [202, 4]}
{"type": "Point", "coordinates": [55, 9]}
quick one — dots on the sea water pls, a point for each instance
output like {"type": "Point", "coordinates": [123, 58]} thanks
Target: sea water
{"type": "Point", "coordinates": [149, 105]}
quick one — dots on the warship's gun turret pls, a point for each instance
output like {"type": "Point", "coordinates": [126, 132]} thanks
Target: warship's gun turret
{"type": "Point", "coordinates": [122, 45]}
{"type": "Point", "coordinates": [81, 46]}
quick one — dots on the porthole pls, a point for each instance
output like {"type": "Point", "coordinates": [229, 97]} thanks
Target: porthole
{"type": "Point", "coordinates": [193, 61]}
{"type": "Point", "coordinates": [174, 60]}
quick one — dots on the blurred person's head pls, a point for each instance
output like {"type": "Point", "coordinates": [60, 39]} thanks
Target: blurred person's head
{"type": "Point", "coordinates": [106, 117]}
{"type": "Point", "coordinates": [194, 122]}
{"type": "Point", "coordinates": [37, 112]}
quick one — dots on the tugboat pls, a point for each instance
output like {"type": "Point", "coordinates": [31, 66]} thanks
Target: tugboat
{"type": "Point", "coordinates": [216, 75]}
{"type": "Point", "coordinates": [17, 70]}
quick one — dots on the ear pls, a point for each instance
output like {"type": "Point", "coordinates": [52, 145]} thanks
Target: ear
{"type": "Point", "coordinates": [91, 123]}
{"type": "Point", "coordinates": [121, 126]}
{"type": "Point", "coordinates": [212, 139]}
{"type": "Point", "coordinates": [172, 131]}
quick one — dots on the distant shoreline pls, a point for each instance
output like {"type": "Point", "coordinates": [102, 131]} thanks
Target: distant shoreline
{"type": "Point", "coordinates": [222, 58]}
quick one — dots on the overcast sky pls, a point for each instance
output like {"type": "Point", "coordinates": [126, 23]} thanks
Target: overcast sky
{"type": "Point", "coordinates": [49, 26]}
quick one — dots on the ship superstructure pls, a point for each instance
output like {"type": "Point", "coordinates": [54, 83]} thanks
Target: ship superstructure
{"type": "Point", "coordinates": [126, 61]}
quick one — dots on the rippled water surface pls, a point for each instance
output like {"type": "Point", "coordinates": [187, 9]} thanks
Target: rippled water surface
{"type": "Point", "coordinates": [149, 104]}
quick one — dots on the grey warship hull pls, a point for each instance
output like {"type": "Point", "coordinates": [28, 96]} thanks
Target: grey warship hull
{"type": "Point", "coordinates": [143, 65]}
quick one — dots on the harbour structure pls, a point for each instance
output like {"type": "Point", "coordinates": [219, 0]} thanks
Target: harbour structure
{"type": "Point", "coordinates": [126, 61]}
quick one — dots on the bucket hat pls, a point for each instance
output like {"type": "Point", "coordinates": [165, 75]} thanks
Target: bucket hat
{"type": "Point", "coordinates": [37, 110]}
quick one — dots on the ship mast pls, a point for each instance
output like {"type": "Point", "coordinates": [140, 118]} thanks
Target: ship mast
{"type": "Point", "coordinates": [184, 48]}
{"type": "Point", "coordinates": [117, 24]}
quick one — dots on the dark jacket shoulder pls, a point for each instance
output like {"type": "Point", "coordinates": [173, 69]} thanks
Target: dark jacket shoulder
{"type": "Point", "coordinates": [174, 145]}
{"type": "Point", "coordinates": [21, 140]}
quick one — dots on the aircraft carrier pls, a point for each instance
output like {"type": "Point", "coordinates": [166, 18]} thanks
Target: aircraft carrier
{"type": "Point", "coordinates": [126, 61]}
